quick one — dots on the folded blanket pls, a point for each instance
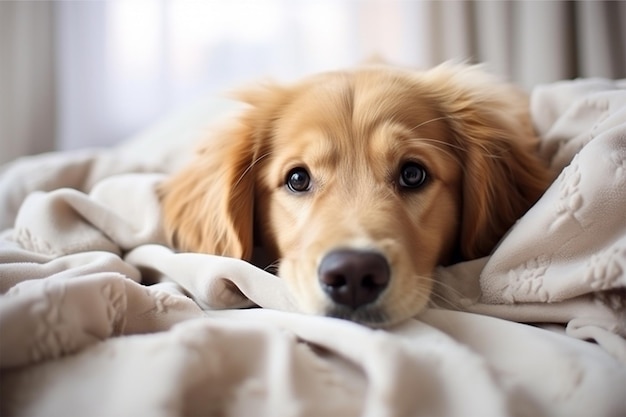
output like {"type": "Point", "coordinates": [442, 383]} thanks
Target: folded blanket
{"type": "Point", "coordinates": [99, 317]}
{"type": "Point", "coordinates": [565, 260]}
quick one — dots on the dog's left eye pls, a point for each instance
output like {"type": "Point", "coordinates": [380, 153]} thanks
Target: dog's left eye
{"type": "Point", "coordinates": [298, 180]}
{"type": "Point", "coordinates": [412, 175]}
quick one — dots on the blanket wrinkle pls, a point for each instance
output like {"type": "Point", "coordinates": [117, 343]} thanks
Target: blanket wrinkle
{"type": "Point", "coordinates": [568, 114]}
{"type": "Point", "coordinates": [20, 274]}
{"type": "Point", "coordinates": [95, 307]}
{"type": "Point", "coordinates": [49, 323]}
{"type": "Point", "coordinates": [215, 282]}
{"type": "Point", "coordinates": [101, 221]}
{"type": "Point", "coordinates": [45, 172]}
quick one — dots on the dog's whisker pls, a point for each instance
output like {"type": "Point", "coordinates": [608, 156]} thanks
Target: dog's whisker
{"type": "Point", "coordinates": [442, 302]}
{"type": "Point", "coordinates": [435, 299]}
{"type": "Point", "coordinates": [406, 304]}
{"type": "Point", "coordinates": [435, 119]}
{"type": "Point", "coordinates": [442, 144]}
{"type": "Point", "coordinates": [272, 268]}
{"type": "Point", "coordinates": [249, 167]}
{"type": "Point", "coordinates": [437, 144]}
{"type": "Point", "coordinates": [451, 299]}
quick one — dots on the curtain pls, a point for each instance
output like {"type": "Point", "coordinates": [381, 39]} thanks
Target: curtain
{"type": "Point", "coordinates": [27, 79]}
{"type": "Point", "coordinates": [533, 42]}
{"type": "Point", "coordinates": [76, 74]}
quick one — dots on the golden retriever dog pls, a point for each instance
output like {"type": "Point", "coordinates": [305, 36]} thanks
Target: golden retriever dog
{"type": "Point", "coordinates": [359, 183]}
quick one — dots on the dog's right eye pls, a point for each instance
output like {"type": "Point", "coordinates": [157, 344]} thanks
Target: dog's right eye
{"type": "Point", "coordinates": [298, 180]}
{"type": "Point", "coordinates": [412, 175]}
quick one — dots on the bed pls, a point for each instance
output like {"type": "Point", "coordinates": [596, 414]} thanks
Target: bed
{"type": "Point", "coordinates": [98, 317]}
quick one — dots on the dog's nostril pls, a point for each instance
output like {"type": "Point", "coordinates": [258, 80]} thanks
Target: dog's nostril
{"type": "Point", "coordinates": [334, 280]}
{"type": "Point", "coordinates": [370, 281]}
{"type": "Point", "coordinates": [352, 277]}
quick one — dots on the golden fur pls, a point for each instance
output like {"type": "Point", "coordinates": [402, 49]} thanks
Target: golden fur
{"type": "Point", "coordinates": [353, 132]}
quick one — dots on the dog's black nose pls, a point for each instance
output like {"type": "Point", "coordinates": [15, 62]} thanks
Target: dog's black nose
{"type": "Point", "coordinates": [353, 278]}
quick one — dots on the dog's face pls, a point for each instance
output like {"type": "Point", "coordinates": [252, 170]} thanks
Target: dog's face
{"type": "Point", "coordinates": [360, 197]}
{"type": "Point", "coordinates": [360, 183]}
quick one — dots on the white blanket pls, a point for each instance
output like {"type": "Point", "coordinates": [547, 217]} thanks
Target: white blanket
{"type": "Point", "coordinates": [99, 318]}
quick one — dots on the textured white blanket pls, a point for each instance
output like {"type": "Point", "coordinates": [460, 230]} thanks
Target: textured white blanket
{"type": "Point", "coordinates": [98, 318]}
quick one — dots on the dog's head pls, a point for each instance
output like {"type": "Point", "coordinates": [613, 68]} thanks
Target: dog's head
{"type": "Point", "coordinates": [361, 182]}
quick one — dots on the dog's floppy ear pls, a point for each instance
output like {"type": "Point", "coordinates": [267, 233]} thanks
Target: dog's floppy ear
{"type": "Point", "coordinates": [502, 179]}
{"type": "Point", "coordinates": [209, 205]}
{"type": "Point", "coordinates": [503, 175]}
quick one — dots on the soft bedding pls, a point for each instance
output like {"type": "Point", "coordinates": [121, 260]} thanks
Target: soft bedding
{"type": "Point", "coordinates": [98, 317]}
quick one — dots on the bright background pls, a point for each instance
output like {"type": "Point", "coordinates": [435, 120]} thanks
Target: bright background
{"type": "Point", "coordinates": [78, 74]}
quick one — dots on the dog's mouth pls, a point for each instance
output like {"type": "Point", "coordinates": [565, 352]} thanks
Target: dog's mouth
{"type": "Point", "coordinates": [368, 315]}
